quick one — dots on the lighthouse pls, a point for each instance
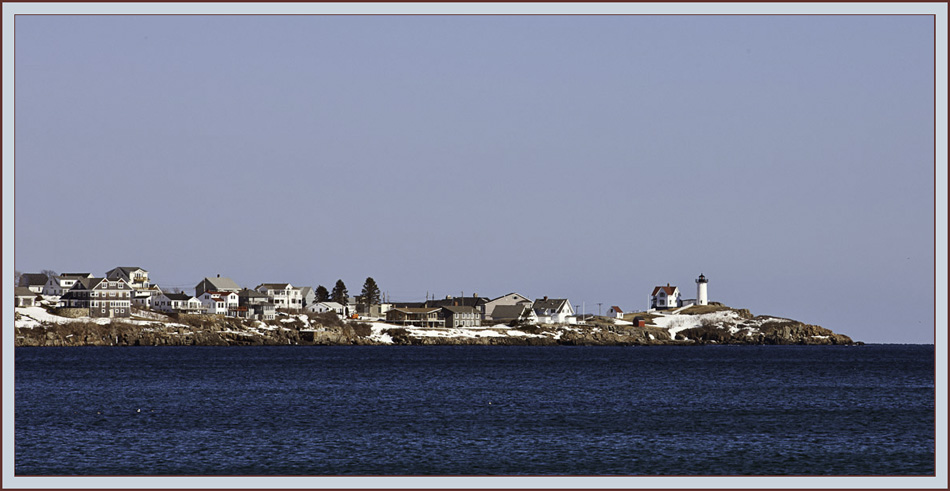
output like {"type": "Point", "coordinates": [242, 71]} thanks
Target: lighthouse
{"type": "Point", "coordinates": [701, 290]}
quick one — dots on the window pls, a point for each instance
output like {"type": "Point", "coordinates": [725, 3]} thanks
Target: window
{"type": "Point", "coordinates": [111, 294]}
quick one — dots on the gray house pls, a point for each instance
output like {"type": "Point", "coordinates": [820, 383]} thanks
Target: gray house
{"type": "Point", "coordinates": [257, 304]}
{"type": "Point", "coordinates": [103, 297]}
{"type": "Point", "coordinates": [458, 316]}
{"type": "Point", "coordinates": [33, 281]}
{"type": "Point", "coordinates": [217, 284]}
{"type": "Point", "coordinates": [24, 297]}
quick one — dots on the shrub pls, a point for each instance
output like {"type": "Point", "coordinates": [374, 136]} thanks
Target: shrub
{"type": "Point", "coordinates": [362, 329]}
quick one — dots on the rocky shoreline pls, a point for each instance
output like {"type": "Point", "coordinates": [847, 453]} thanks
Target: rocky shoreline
{"type": "Point", "coordinates": [739, 328]}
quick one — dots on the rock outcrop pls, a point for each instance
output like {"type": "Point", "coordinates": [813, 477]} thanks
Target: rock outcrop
{"type": "Point", "coordinates": [707, 326]}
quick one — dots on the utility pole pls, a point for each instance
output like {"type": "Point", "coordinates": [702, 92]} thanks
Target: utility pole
{"type": "Point", "coordinates": [598, 307]}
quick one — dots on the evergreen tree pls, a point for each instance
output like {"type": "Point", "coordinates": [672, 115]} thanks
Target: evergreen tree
{"type": "Point", "coordinates": [339, 293]}
{"type": "Point", "coordinates": [322, 294]}
{"type": "Point", "coordinates": [370, 294]}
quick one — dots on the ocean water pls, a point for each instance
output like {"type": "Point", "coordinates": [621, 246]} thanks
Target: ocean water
{"type": "Point", "coordinates": [473, 410]}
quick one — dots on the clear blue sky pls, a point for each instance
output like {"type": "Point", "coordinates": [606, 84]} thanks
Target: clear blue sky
{"type": "Point", "coordinates": [788, 158]}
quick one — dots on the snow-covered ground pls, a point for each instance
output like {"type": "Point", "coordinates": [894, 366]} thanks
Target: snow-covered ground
{"type": "Point", "coordinates": [498, 330]}
{"type": "Point", "coordinates": [727, 319]}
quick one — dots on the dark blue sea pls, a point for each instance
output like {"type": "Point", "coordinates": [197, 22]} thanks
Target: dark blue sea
{"type": "Point", "coordinates": [472, 410]}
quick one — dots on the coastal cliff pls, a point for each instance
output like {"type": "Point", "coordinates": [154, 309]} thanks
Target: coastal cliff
{"type": "Point", "coordinates": [693, 326]}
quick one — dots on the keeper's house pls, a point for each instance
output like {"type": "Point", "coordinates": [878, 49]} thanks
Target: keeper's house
{"type": "Point", "coordinates": [665, 297]}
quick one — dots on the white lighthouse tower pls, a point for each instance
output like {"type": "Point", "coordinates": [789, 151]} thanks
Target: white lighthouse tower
{"type": "Point", "coordinates": [701, 290]}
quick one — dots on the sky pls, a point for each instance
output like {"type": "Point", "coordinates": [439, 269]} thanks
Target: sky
{"type": "Point", "coordinates": [790, 159]}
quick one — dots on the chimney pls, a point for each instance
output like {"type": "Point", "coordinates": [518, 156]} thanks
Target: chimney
{"type": "Point", "coordinates": [474, 295]}
{"type": "Point", "coordinates": [545, 298]}
{"type": "Point", "coordinates": [219, 275]}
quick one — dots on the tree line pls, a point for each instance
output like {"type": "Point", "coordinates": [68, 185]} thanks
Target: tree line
{"type": "Point", "coordinates": [369, 296]}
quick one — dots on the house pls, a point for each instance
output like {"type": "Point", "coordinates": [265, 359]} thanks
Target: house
{"type": "Point", "coordinates": [321, 307]}
{"type": "Point", "coordinates": [33, 281]}
{"type": "Point", "coordinates": [308, 296]}
{"type": "Point", "coordinates": [615, 312]}
{"type": "Point", "coordinates": [142, 297]}
{"type": "Point", "coordinates": [258, 305]}
{"type": "Point", "coordinates": [460, 316]}
{"type": "Point", "coordinates": [510, 299]}
{"type": "Point", "coordinates": [133, 275]}
{"type": "Point", "coordinates": [415, 316]}
{"type": "Point", "coordinates": [217, 284]}
{"type": "Point", "coordinates": [379, 310]}
{"type": "Point", "coordinates": [103, 297]}
{"type": "Point", "coordinates": [282, 295]}
{"type": "Point", "coordinates": [665, 297]}
{"type": "Point", "coordinates": [218, 302]}
{"type": "Point", "coordinates": [177, 302]}
{"type": "Point", "coordinates": [554, 311]}
{"type": "Point", "coordinates": [24, 297]}
{"type": "Point", "coordinates": [522, 312]}
{"type": "Point", "coordinates": [59, 285]}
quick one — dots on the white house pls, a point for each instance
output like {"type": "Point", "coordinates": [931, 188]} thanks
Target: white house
{"type": "Point", "coordinates": [554, 311]}
{"type": "Point", "coordinates": [283, 295]}
{"type": "Point", "coordinates": [509, 299]}
{"type": "Point", "coordinates": [218, 302]}
{"type": "Point", "coordinates": [665, 297]}
{"type": "Point", "coordinates": [321, 307]}
{"type": "Point", "coordinates": [142, 297]}
{"type": "Point", "coordinates": [177, 302]}
{"type": "Point", "coordinates": [35, 282]}
{"type": "Point", "coordinates": [133, 275]}
{"type": "Point", "coordinates": [615, 312]}
{"type": "Point", "coordinates": [58, 285]}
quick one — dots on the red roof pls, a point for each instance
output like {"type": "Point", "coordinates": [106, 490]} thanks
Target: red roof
{"type": "Point", "coordinates": [668, 289]}
{"type": "Point", "coordinates": [616, 309]}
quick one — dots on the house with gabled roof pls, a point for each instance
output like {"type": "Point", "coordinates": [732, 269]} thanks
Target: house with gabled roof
{"type": "Point", "coordinates": [256, 305]}
{"type": "Point", "coordinates": [554, 311]}
{"type": "Point", "coordinates": [177, 302]}
{"type": "Point", "coordinates": [415, 316]}
{"type": "Point", "coordinates": [283, 295]}
{"type": "Point", "coordinates": [460, 316]}
{"type": "Point", "coordinates": [615, 312]}
{"type": "Point", "coordinates": [102, 296]}
{"type": "Point", "coordinates": [24, 297]}
{"type": "Point", "coordinates": [521, 312]}
{"type": "Point", "coordinates": [665, 297]}
{"type": "Point", "coordinates": [133, 275]}
{"type": "Point", "coordinates": [321, 307]}
{"type": "Point", "coordinates": [217, 284]}
{"type": "Point", "coordinates": [510, 299]}
{"type": "Point", "coordinates": [33, 281]}
{"type": "Point", "coordinates": [60, 284]}
{"type": "Point", "coordinates": [220, 303]}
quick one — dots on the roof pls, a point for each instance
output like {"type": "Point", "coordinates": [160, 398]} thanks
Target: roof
{"type": "Point", "coordinates": [462, 301]}
{"type": "Point", "coordinates": [273, 286]}
{"type": "Point", "coordinates": [22, 291]}
{"type": "Point", "coordinates": [616, 309]}
{"type": "Point", "coordinates": [505, 295]}
{"type": "Point", "coordinates": [550, 303]}
{"type": "Point", "coordinates": [668, 289]}
{"type": "Point", "coordinates": [178, 296]}
{"type": "Point", "coordinates": [331, 305]}
{"type": "Point", "coordinates": [87, 283]}
{"type": "Point", "coordinates": [33, 279]}
{"type": "Point", "coordinates": [509, 311]}
{"type": "Point", "coordinates": [76, 275]}
{"type": "Point", "coordinates": [125, 269]}
{"type": "Point", "coordinates": [248, 293]}
{"type": "Point", "coordinates": [459, 309]}
{"type": "Point", "coordinates": [220, 284]}
{"type": "Point", "coordinates": [417, 310]}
